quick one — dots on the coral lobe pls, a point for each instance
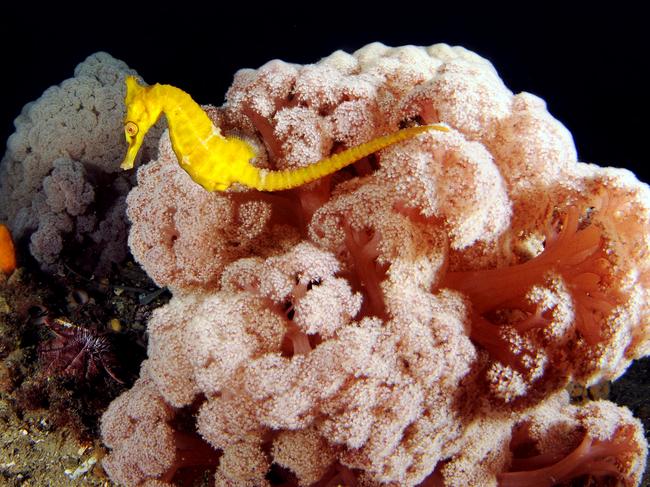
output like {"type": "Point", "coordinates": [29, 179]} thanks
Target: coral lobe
{"type": "Point", "coordinates": [411, 320]}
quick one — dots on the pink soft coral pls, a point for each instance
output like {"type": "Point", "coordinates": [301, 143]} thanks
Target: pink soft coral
{"type": "Point", "coordinates": [189, 235]}
{"type": "Point", "coordinates": [409, 320]}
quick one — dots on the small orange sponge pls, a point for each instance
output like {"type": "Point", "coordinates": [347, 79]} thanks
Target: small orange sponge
{"type": "Point", "coordinates": [7, 251]}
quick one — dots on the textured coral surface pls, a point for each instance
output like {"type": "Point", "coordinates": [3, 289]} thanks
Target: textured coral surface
{"type": "Point", "coordinates": [58, 179]}
{"type": "Point", "coordinates": [411, 320]}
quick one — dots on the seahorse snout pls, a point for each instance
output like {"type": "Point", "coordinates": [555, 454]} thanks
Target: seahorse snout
{"type": "Point", "coordinates": [131, 153]}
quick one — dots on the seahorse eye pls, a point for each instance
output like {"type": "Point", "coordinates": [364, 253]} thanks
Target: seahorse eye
{"type": "Point", "coordinates": [131, 128]}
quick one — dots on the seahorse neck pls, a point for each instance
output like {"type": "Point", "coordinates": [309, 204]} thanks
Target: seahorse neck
{"type": "Point", "coordinates": [188, 122]}
{"type": "Point", "coordinates": [179, 107]}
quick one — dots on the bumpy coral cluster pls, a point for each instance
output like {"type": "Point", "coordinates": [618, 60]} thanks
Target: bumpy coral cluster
{"type": "Point", "coordinates": [411, 320]}
{"type": "Point", "coordinates": [59, 180]}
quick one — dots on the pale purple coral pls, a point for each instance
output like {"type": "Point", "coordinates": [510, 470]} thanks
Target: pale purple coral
{"type": "Point", "coordinates": [67, 145]}
{"type": "Point", "coordinates": [407, 320]}
{"type": "Point", "coordinates": [66, 188]}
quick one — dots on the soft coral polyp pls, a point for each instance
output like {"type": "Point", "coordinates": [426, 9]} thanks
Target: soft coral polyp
{"type": "Point", "coordinates": [577, 253]}
{"type": "Point", "coordinates": [592, 457]}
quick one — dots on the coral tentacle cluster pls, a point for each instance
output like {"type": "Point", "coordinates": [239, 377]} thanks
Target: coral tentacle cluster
{"type": "Point", "coordinates": [412, 319]}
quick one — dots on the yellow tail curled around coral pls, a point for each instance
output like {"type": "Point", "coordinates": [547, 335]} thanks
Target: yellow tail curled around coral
{"type": "Point", "coordinates": [214, 161]}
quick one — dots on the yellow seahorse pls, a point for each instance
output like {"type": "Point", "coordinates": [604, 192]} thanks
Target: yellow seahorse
{"type": "Point", "coordinates": [214, 161]}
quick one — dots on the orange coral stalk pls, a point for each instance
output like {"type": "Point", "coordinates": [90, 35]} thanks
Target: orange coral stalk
{"type": "Point", "coordinates": [577, 254]}
{"type": "Point", "coordinates": [7, 251]}
{"type": "Point", "coordinates": [593, 457]}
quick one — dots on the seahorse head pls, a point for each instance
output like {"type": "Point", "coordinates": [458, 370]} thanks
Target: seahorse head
{"type": "Point", "coordinates": [142, 111]}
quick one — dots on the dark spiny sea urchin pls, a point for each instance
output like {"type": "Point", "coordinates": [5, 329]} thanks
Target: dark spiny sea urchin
{"type": "Point", "coordinates": [77, 353]}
